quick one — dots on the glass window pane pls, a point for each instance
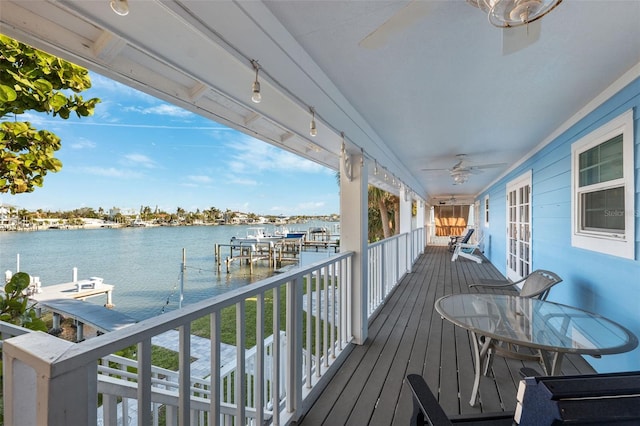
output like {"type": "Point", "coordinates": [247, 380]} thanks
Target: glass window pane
{"type": "Point", "coordinates": [603, 210]}
{"type": "Point", "coordinates": [601, 163]}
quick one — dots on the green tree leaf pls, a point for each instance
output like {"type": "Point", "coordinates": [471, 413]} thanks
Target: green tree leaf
{"type": "Point", "coordinates": [7, 94]}
{"type": "Point", "coordinates": [32, 80]}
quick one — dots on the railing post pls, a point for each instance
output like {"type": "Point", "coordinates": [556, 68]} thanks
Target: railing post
{"type": "Point", "coordinates": [294, 347]}
{"type": "Point", "coordinates": [38, 391]}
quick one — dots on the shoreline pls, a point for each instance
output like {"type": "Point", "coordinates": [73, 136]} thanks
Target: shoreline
{"type": "Point", "coordinates": [90, 223]}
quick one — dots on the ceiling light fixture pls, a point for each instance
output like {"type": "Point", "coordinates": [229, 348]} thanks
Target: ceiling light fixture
{"type": "Point", "coordinates": [513, 13]}
{"type": "Point", "coordinates": [459, 177]}
{"type": "Point", "coordinates": [313, 131]}
{"type": "Point", "coordinates": [256, 97]}
{"type": "Point", "coordinates": [121, 7]}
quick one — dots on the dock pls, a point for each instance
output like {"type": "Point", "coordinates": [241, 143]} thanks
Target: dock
{"type": "Point", "coordinates": [79, 290]}
{"type": "Point", "coordinates": [96, 316]}
{"type": "Point", "coordinates": [68, 300]}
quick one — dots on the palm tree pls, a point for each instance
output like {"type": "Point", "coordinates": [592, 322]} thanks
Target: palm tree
{"type": "Point", "coordinates": [378, 199]}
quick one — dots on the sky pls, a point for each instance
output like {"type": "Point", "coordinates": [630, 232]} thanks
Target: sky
{"type": "Point", "coordinates": [137, 150]}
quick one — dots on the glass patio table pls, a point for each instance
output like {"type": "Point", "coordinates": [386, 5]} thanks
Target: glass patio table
{"type": "Point", "coordinates": [499, 324]}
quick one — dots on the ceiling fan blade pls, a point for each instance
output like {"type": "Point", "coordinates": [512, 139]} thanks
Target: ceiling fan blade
{"type": "Point", "coordinates": [410, 13]}
{"type": "Point", "coordinates": [486, 166]}
{"type": "Point", "coordinates": [518, 38]}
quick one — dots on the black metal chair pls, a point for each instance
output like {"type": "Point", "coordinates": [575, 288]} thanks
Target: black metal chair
{"type": "Point", "coordinates": [427, 411]}
{"type": "Point", "coordinates": [594, 399]}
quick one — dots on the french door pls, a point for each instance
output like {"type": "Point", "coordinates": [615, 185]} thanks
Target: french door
{"type": "Point", "coordinates": [519, 227]}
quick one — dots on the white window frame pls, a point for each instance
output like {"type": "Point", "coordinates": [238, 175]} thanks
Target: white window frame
{"type": "Point", "coordinates": [615, 244]}
{"type": "Point", "coordinates": [486, 211]}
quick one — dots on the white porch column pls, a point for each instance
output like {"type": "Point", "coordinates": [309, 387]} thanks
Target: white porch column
{"type": "Point", "coordinates": [353, 237]}
{"type": "Point", "coordinates": [406, 225]}
{"type": "Point", "coordinates": [421, 221]}
{"type": "Point", "coordinates": [39, 391]}
{"type": "Point", "coordinates": [405, 210]}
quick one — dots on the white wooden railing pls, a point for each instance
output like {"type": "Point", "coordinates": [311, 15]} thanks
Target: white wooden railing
{"type": "Point", "coordinates": [389, 261]}
{"type": "Point", "coordinates": [304, 334]}
{"type": "Point", "coordinates": [117, 379]}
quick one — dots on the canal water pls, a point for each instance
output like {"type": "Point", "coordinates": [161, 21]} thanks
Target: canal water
{"type": "Point", "coordinates": [143, 263]}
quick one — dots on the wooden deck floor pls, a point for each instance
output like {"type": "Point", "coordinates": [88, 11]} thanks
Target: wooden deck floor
{"type": "Point", "coordinates": [408, 336]}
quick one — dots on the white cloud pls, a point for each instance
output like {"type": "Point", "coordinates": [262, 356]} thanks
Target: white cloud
{"type": "Point", "coordinates": [82, 144]}
{"type": "Point", "coordinates": [245, 182]}
{"type": "Point", "coordinates": [139, 160]}
{"type": "Point", "coordinates": [166, 109]}
{"type": "Point", "coordinates": [251, 155]}
{"type": "Point", "coordinates": [310, 206]}
{"type": "Point", "coordinates": [199, 179]}
{"type": "Point", "coordinates": [36, 120]}
{"type": "Point", "coordinates": [111, 172]}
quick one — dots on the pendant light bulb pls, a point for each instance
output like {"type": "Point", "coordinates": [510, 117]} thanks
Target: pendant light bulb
{"type": "Point", "coordinates": [121, 7]}
{"type": "Point", "coordinates": [313, 131]}
{"type": "Point", "coordinates": [256, 97]}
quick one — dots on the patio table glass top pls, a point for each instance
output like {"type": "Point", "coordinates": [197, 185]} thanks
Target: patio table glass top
{"type": "Point", "coordinates": [536, 323]}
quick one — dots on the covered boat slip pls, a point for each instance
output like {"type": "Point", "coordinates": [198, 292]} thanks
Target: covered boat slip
{"type": "Point", "coordinates": [408, 336]}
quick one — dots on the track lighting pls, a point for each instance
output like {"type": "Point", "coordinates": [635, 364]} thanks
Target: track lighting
{"type": "Point", "coordinates": [256, 97]}
{"type": "Point", "coordinates": [121, 7]}
{"type": "Point", "coordinates": [313, 131]}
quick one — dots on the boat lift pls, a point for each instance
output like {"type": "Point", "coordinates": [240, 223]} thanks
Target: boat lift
{"type": "Point", "coordinates": [250, 252]}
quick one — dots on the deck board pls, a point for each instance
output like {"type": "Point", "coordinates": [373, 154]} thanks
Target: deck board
{"type": "Point", "coordinates": [408, 336]}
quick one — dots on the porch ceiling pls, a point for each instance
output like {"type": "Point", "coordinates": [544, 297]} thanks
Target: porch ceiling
{"type": "Point", "coordinates": [438, 87]}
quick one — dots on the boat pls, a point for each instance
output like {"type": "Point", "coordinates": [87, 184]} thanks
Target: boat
{"type": "Point", "coordinates": [138, 223]}
{"type": "Point", "coordinates": [288, 234]}
{"type": "Point", "coordinates": [256, 235]}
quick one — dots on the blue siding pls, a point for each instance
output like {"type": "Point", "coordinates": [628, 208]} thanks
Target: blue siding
{"type": "Point", "coordinates": [597, 282]}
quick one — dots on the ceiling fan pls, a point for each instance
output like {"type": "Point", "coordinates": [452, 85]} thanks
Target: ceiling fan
{"type": "Point", "coordinates": [451, 200]}
{"type": "Point", "coordinates": [461, 171]}
{"type": "Point", "coordinates": [519, 20]}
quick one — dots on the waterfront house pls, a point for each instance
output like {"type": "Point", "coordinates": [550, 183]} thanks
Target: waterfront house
{"type": "Point", "coordinates": [536, 127]}
{"type": "Point", "coordinates": [8, 217]}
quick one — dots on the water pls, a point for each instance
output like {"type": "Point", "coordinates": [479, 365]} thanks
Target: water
{"type": "Point", "coordinates": [143, 263]}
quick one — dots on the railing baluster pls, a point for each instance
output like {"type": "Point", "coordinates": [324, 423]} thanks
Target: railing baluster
{"type": "Point", "coordinates": [216, 383]}
{"type": "Point", "coordinates": [258, 382]}
{"type": "Point", "coordinates": [275, 355]}
{"type": "Point", "coordinates": [240, 382]}
{"type": "Point", "coordinates": [109, 410]}
{"type": "Point", "coordinates": [308, 354]}
{"type": "Point", "coordinates": [327, 322]}
{"type": "Point", "coordinates": [144, 382]}
{"type": "Point", "coordinates": [294, 345]}
{"type": "Point", "coordinates": [318, 316]}
{"type": "Point", "coordinates": [184, 360]}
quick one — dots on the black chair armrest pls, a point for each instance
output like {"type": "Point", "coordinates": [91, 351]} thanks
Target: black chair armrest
{"type": "Point", "coordinates": [426, 409]}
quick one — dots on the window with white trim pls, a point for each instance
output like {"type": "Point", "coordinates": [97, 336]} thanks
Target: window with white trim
{"type": "Point", "coordinates": [486, 211]}
{"type": "Point", "coordinates": [603, 191]}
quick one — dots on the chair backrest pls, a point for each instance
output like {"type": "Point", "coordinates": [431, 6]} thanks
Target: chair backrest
{"type": "Point", "coordinates": [467, 236]}
{"type": "Point", "coordinates": [538, 283]}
